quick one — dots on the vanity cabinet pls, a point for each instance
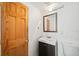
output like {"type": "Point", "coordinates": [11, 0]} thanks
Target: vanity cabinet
{"type": "Point", "coordinates": [46, 49]}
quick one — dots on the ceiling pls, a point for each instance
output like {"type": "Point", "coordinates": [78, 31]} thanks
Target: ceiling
{"type": "Point", "coordinates": [43, 6]}
{"type": "Point", "coordinates": [48, 3]}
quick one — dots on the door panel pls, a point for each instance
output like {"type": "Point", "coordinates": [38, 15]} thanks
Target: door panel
{"type": "Point", "coordinates": [20, 48]}
{"type": "Point", "coordinates": [14, 29]}
{"type": "Point", "coordinates": [12, 52]}
{"type": "Point", "coordinates": [20, 28]}
{"type": "Point", "coordinates": [21, 11]}
{"type": "Point", "coordinates": [12, 9]}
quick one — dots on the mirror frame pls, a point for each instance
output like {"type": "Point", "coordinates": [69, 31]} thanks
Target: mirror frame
{"type": "Point", "coordinates": [55, 23]}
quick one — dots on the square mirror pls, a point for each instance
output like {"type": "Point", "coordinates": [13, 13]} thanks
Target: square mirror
{"type": "Point", "coordinates": [50, 23]}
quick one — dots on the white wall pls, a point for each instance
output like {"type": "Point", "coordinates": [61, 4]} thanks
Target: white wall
{"type": "Point", "coordinates": [68, 27]}
{"type": "Point", "coordinates": [34, 33]}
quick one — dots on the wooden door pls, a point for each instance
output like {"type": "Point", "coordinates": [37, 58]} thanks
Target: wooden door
{"type": "Point", "coordinates": [14, 29]}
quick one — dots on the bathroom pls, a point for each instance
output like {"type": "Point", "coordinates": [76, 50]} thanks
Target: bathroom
{"type": "Point", "coordinates": [65, 38]}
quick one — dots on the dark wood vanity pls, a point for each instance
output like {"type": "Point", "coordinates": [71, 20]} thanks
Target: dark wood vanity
{"type": "Point", "coordinates": [46, 49]}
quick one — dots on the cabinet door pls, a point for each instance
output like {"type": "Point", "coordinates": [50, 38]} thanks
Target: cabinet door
{"type": "Point", "coordinates": [14, 29]}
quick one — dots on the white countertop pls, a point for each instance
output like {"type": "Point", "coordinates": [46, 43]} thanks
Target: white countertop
{"type": "Point", "coordinates": [48, 40]}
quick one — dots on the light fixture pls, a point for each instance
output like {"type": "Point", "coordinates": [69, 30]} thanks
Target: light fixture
{"type": "Point", "coordinates": [51, 7]}
{"type": "Point", "coordinates": [54, 6]}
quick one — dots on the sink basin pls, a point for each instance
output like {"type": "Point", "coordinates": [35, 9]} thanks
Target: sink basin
{"type": "Point", "coordinates": [48, 40]}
